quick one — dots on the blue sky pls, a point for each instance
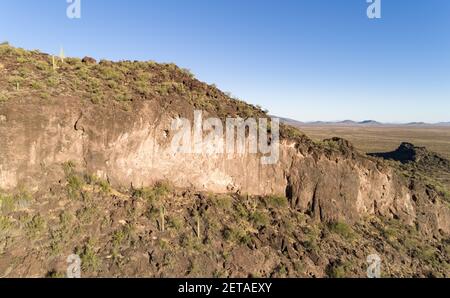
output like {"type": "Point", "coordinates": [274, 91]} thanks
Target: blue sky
{"type": "Point", "coordinates": [303, 59]}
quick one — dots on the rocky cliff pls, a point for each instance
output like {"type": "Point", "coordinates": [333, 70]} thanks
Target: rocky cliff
{"type": "Point", "coordinates": [113, 120]}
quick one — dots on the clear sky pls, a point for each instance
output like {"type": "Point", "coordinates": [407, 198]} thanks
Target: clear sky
{"type": "Point", "coordinates": [303, 59]}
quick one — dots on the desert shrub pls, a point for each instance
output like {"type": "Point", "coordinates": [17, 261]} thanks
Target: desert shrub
{"type": "Point", "coordinates": [37, 85]}
{"type": "Point", "coordinates": [44, 95]}
{"type": "Point", "coordinates": [223, 202]}
{"type": "Point", "coordinates": [55, 274]}
{"type": "Point", "coordinates": [276, 202]}
{"type": "Point", "coordinates": [122, 96]}
{"type": "Point", "coordinates": [5, 223]}
{"type": "Point", "coordinates": [74, 182]}
{"type": "Point", "coordinates": [188, 73]}
{"type": "Point", "coordinates": [165, 88]}
{"type": "Point", "coordinates": [311, 240]}
{"type": "Point", "coordinates": [260, 219]}
{"type": "Point", "coordinates": [94, 86]}
{"type": "Point", "coordinates": [23, 60]}
{"type": "Point", "coordinates": [143, 87]}
{"type": "Point", "coordinates": [175, 223]}
{"type": "Point", "coordinates": [14, 80]}
{"type": "Point", "coordinates": [426, 254]}
{"type": "Point", "coordinates": [241, 211]}
{"type": "Point", "coordinates": [103, 185]}
{"type": "Point", "coordinates": [35, 226]}
{"type": "Point", "coordinates": [74, 186]}
{"type": "Point", "coordinates": [236, 235]}
{"type": "Point", "coordinates": [53, 80]}
{"type": "Point", "coordinates": [5, 49]}
{"type": "Point", "coordinates": [342, 229]}
{"type": "Point", "coordinates": [89, 259]}
{"type": "Point", "coordinates": [191, 243]}
{"type": "Point", "coordinates": [328, 144]}
{"type": "Point", "coordinates": [292, 132]}
{"type": "Point", "coordinates": [110, 73]}
{"type": "Point", "coordinates": [42, 66]}
{"type": "Point", "coordinates": [337, 271]}
{"type": "Point", "coordinates": [7, 203]}
{"type": "Point", "coordinates": [154, 197]}
{"type": "Point", "coordinates": [74, 62]}
{"type": "Point", "coordinates": [3, 96]}
{"type": "Point", "coordinates": [87, 214]}
{"type": "Point", "coordinates": [118, 237]}
{"type": "Point", "coordinates": [65, 219]}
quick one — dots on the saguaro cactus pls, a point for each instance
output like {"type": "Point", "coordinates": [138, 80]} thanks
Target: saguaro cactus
{"type": "Point", "coordinates": [162, 214]}
{"type": "Point", "coordinates": [55, 66]}
{"type": "Point", "coordinates": [61, 55]}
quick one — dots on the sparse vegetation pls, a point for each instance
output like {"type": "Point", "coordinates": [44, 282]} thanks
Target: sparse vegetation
{"type": "Point", "coordinates": [260, 219]}
{"type": "Point", "coordinates": [222, 228]}
{"type": "Point", "coordinates": [89, 259]}
{"type": "Point", "coordinates": [36, 226]}
{"type": "Point", "coordinates": [74, 181]}
{"type": "Point", "coordinates": [7, 203]}
{"type": "Point", "coordinates": [5, 223]}
{"type": "Point", "coordinates": [155, 194]}
{"type": "Point", "coordinates": [338, 271]}
{"type": "Point", "coordinates": [276, 202]}
{"type": "Point", "coordinates": [161, 230]}
{"type": "Point", "coordinates": [342, 229]}
{"type": "Point", "coordinates": [223, 202]}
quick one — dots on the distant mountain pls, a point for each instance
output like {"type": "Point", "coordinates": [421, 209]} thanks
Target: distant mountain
{"type": "Point", "coordinates": [355, 123]}
{"type": "Point", "coordinates": [347, 122]}
{"type": "Point", "coordinates": [443, 124]}
{"type": "Point", "coordinates": [370, 122]}
{"type": "Point", "coordinates": [417, 123]}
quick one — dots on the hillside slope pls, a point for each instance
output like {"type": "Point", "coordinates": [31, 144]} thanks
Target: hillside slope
{"type": "Point", "coordinates": [111, 121]}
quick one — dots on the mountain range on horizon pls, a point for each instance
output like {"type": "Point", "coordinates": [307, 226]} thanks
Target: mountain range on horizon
{"type": "Point", "coordinates": [361, 123]}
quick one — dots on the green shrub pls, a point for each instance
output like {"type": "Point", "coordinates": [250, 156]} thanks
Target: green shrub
{"type": "Point", "coordinates": [175, 223]}
{"type": "Point", "coordinates": [43, 66]}
{"type": "Point", "coordinates": [241, 211]}
{"type": "Point", "coordinates": [37, 85]}
{"type": "Point", "coordinates": [74, 186]}
{"type": "Point", "coordinates": [3, 96]}
{"type": "Point", "coordinates": [237, 235]}
{"type": "Point", "coordinates": [223, 202]}
{"type": "Point", "coordinates": [276, 202]}
{"type": "Point", "coordinates": [110, 73]}
{"type": "Point", "coordinates": [342, 229]}
{"type": "Point", "coordinates": [260, 219]}
{"type": "Point", "coordinates": [7, 203]}
{"type": "Point", "coordinates": [74, 182]}
{"type": "Point", "coordinates": [153, 195]}
{"type": "Point", "coordinates": [87, 214]}
{"type": "Point", "coordinates": [89, 259]}
{"type": "Point", "coordinates": [312, 234]}
{"type": "Point", "coordinates": [5, 224]}
{"type": "Point", "coordinates": [337, 271]}
{"type": "Point", "coordinates": [36, 226]}
{"type": "Point", "coordinates": [93, 180]}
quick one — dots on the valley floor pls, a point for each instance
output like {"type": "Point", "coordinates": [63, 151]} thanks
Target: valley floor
{"type": "Point", "coordinates": [370, 139]}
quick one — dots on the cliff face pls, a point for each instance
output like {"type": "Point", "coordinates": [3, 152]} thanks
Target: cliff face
{"type": "Point", "coordinates": [132, 148]}
{"type": "Point", "coordinates": [113, 120]}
